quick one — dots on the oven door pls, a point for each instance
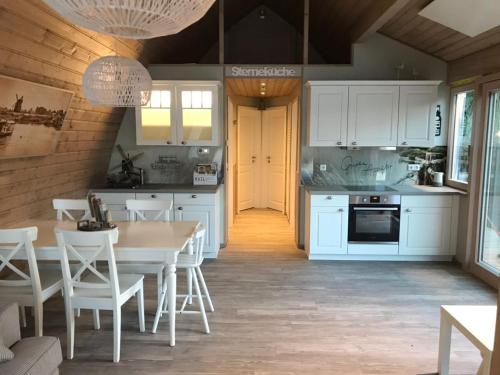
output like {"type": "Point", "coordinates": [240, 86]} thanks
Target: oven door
{"type": "Point", "coordinates": [374, 223]}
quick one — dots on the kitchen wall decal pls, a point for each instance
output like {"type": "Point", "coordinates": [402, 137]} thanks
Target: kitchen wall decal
{"type": "Point", "coordinates": [31, 117]}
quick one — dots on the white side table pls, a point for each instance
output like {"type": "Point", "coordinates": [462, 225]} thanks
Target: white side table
{"type": "Point", "coordinates": [477, 323]}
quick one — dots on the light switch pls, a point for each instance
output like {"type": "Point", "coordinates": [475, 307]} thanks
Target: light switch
{"type": "Point", "coordinates": [413, 167]}
{"type": "Point", "coordinates": [322, 167]}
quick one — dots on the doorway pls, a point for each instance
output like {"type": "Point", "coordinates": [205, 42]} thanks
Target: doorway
{"type": "Point", "coordinates": [262, 161]}
{"type": "Point", "coordinates": [261, 150]}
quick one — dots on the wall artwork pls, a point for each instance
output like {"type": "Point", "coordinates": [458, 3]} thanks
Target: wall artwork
{"type": "Point", "coordinates": [31, 117]}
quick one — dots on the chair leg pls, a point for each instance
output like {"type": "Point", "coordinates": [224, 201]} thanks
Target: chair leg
{"type": "Point", "coordinates": [38, 312]}
{"type": "Point", "coordinates": [189, 280]}
{"type": "Point", "coordinates": [163, 301]}
{"type": "Point", "coordinates": [97, 320]}
{"type": "Point", "coordinates": [22, 310]}
{"type": "Point", "coordinates": [70, 327]}
{"type": "Point", "coordinates": [117, 330]}
{"type": "Point", "coordinates": [140, 308]}
{"type": "Point", "coordinates": [200, 302]}
{"type": "Point", "coordinates": [159, 286]}
{"type": "Point", "coordinates": [205, 289]}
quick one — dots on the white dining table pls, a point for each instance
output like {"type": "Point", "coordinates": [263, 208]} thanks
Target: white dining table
{"type": "Point", "coordinates": [138, 241]}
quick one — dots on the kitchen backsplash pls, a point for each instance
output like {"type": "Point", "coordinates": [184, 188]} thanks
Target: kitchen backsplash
{"type": "Point", "coordinates": [367, 166]}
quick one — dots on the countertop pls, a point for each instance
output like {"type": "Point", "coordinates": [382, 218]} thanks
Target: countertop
{"type": "Point", "coordinates": [162, 188]}
{"type": "Point", "coordinates": [400, 189]}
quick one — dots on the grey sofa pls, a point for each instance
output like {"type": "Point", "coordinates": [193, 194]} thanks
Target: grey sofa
{"type": "Point", "coordinates": [33, 355]}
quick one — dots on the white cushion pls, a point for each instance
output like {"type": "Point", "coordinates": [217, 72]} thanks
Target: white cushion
{"type": "Point", "coordinates": [5, 353]}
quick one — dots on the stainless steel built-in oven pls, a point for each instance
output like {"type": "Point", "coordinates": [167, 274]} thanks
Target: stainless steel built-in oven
{"type": "Point", "coordinates": [374, 218]}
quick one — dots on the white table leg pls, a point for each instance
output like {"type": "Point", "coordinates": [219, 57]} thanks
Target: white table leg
{"type": "Point", "coordinates": [172, 297]}
{"type": "Point", "coordinates": [444, 345]}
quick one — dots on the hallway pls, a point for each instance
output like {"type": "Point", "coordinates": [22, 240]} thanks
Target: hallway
{"type": "Point", "coordinates": [262, 230]}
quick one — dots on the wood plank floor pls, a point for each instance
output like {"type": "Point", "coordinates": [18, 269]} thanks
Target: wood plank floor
{"type": "Point", "coordinates": [277, 313]}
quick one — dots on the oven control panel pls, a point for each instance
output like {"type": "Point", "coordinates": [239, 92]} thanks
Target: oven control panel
{"type": "Point", "coordinates": [375, 199]}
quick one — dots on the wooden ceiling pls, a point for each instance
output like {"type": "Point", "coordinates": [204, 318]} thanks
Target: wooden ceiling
{"type": "Point", "coordinates": [433, 38]}
{"type": "Point", "coordinates": [253, 87]}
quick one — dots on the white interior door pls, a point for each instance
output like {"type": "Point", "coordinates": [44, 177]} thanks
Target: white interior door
{"type": "Point", "coordinates": [273, 152]}
{"type": "Point", "coordinates": [249, 144]}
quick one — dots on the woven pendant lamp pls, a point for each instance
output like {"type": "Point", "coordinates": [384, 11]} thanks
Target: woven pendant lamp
{"type": "Point", "coordinates": [134, 19]}
{"type": "Point", "coordinates": [117, 81]}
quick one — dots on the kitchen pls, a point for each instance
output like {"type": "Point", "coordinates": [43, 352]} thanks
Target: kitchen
{"type": "Point", "coordinates": [323, 178]}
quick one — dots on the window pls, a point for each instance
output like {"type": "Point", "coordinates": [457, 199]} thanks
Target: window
{"type": "Point", "coordinates": [461, 137]}
{"type": "Point", "coordinates": [156, 116]}
{"type": "Point", "coordinates": [489, 237]}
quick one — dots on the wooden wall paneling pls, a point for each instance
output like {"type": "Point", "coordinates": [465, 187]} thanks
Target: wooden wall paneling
{"type": "Point", "coordinates": [36, 44]}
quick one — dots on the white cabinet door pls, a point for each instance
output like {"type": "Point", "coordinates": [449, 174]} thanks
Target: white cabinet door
{"type": "Point", "coordinates": [115, 202]}
{"type": "Point", "coordinates": [425, 231]}
{"type": "Point", "coordinates": [328, 230]}
{"type": "Point", "coordinates": [417, 107]}
{"type": "Point", "coordinates": [328, 115]}
{"type": "Point", "coordinates": [197, 115]}
{"type": "Point", "coordinates": [154, 121]}
{"type": "Point", "coordinates": [203, 214]}
{"type": "Point", "coordinates": [373, 115]}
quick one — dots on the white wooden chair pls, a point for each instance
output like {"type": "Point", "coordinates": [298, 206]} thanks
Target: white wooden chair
{"type": "Point", "coordinates": [145, 210]}
{"type": "Point", "coordinates": [65, 209]}
{"type": "Point", "coordinates": [88, 288]}
{"type": "Point", "coordinates": [65, 206]}
{"type": "Point", "coordinates": [27, 289]}
{"type": "Point", "coordinates": [191, 262]}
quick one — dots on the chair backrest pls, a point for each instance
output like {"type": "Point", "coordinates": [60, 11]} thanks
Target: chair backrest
{"type": "Point", "coordinates": [63, 206]}
{"type": "Point", "coordinates": [13, 241]}
{"type": "Point", "coordinates": [160, 208]}
{"type": "Point", "coordinates": [85, 248]}
{"type": "Point", "coordinates": [199, 243]}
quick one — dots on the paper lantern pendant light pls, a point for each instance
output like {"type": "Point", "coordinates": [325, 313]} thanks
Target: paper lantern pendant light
{"type": "Point", "coordinates": [117, 81]}
{"type": "Point", "coordinates": [134, 19]}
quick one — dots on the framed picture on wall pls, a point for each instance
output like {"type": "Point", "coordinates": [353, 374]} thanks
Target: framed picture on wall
{"type": "Point", "coordinates": [31, 117]}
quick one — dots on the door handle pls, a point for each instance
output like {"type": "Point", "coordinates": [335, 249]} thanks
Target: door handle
{"type": "Point", "coordinates": [179, 208]}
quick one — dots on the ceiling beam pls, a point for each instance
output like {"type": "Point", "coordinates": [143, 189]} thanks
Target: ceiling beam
{"type": "Point", "coordinates": [376, 18]}
{"type": "Point", "coordinates": [305, 48]}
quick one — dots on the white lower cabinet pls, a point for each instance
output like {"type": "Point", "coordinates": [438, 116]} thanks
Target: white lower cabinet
{"type": "Point", "coordinates": [428, 229]}
{"type": "Point", "coordinates": [161, 196]}
{"type": "Point", "coordinates": [326, 227]}
{"type": "Point", "coordinates": [204, 208]}
{"type": "Point", "coordinates": [204, 214]}
{"type": "Point", "coordinates": [428, 225]}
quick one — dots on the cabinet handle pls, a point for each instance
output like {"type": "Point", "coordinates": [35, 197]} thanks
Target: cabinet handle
{"type": "Point", "coordinates": [153, 195]}
{"type": "Point", "coordinates": [341, 210]}
{"type": "Point", "coordinates": [354, 143]}
{"type": "Point", "coordinates": [180, 208]}
{"type": "Point", "coordinates": [404, 143]}
{"type": "Point", "coordinates": [408, 210]}
{"type": "Point", "coordinates": [339, 143]}
{"type": "Point", "coordinates": [183, 142]}
{"type": "Point", "coordinates": [329, 197]}
{"type": "Point", "coordinates": [168, 142]}
{"type": "Point", "coordinates": [194, 196]}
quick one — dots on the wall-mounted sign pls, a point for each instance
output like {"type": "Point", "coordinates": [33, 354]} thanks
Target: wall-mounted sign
{"type": "Point", "coordinates": [264, 71]}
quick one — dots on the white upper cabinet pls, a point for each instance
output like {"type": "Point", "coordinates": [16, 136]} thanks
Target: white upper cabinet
{"type": "Point", "coordinates": [417, 107]}
{"type": "Point", "coordinates": [154, 121]}
{"type": "Point", "coordinates": [328, 115]}
{"type": "Point", "coordinates": [373, 115]}
{"type": "Point", "coordinates": [198, 115]}
{"type": "Point", "coordinates": [180, 113]}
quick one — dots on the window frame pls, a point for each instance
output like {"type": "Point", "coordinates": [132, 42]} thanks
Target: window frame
{"type": "Point", "coordinates": [451, 137]}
